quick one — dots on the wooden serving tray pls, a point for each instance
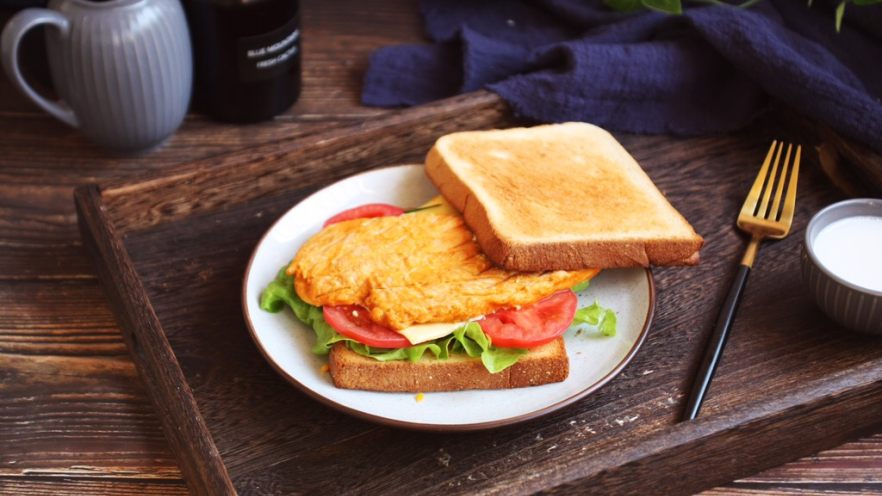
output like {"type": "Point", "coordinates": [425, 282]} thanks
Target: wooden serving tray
{"type": "Point", "coordinates": [171, 250]}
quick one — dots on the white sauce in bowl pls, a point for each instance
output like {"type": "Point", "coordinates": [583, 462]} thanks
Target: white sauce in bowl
{"type": "Point", "coordinates": [851, 248]}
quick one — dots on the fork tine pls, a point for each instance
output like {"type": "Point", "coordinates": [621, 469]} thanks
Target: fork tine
{"type": "Point", "coordinates": [773, 212]}
{"type": "Point", "coordinates": [770, 184]}
{"type": "Point", "coordinates": [749, 206]}
{"type": "Point", "coordinates": [790, 199]}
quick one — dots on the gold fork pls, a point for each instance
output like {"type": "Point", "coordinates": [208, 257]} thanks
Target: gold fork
{"type": "Point", "coordinates": [761, 221]}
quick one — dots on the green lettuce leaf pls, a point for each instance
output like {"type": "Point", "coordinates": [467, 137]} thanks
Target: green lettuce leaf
{"type": "Point", "coordinates": [595, 315]}
{"type": "Point", "coordinates": [498, 359]}
{"type": "Point", "coordinates": [475, 343]}
{"type": "Point", "coordinates": [325, 335]}
{"type": "Point", "coordinates": [582, 286]}
{"type": "Point", "coordinates": [444, 345]}
{"type": "Point", "coordinates": [280, 292]}
{"type": "Point", "coordinates": [412, 353]}
{"type": "Point", "coordinates": [472, 339]}
{"type": "Point", "coordinates": [608, 323]}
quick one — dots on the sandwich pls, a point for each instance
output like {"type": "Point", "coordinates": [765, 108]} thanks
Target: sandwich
{"type": "Point", "coordinates": [408, 302]}
{"type": "Point", "coordinates": [413, 300]}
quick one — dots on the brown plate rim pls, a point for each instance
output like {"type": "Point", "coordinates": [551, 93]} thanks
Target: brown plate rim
{"type": "Point", "coordinates": [378, 419]}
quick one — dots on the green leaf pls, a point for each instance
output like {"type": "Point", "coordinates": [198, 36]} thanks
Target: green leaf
{"type": "Point", "coordinates": [840, 12]}
{"type": "Point", "coordinates": [667, 6]}
{"type": "Point", "coordinates": [444, 345]}
{"type": "Point", "coordinates": [361, 349]}
{"type": "Point", "coordinates": [582, 286]}
{"type": "Point", "coordinates": [608, 323]}
{"type": "Point", "coordinates": [280, 292]}
{"type": "Point", "coordinates": [475, 333]}
{"type": "Point", "coordinates": [623, 5]}
{"type": "Point", "coordinates": [588, 315]}
{"type": "Point", "coordinates": [411, 353]}
{"type": "Point", "coordinates": [496, 360]}
{"type": "Point", "coordinates": [415, 353]}
{"type": "Point", "coordinates": [465, 337]}
{"type": "Point", "coordinates": [325, 336]}
{"type": "Point", "coordinates": [865, 2]}
{"type": "Point", "coordinates": [471, 348]}
{"type": "Point", "coordinates": [596, 315]}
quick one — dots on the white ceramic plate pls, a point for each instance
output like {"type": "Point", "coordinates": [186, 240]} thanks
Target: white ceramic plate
{"type": "Point", "coordinates": [285, 342]}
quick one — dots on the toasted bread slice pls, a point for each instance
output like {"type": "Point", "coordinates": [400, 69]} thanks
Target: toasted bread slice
{"type": "Point", "coordinates": [563, 196]}
{"type": "Point", "coordinates": [541, 365]}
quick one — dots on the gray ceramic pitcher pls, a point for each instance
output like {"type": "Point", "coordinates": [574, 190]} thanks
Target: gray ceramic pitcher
{"type": "Point", "coordinates": [122, 68]}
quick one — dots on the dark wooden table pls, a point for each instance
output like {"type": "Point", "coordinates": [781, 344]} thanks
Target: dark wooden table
{"type": "Point", "coordinates": [74, 417]}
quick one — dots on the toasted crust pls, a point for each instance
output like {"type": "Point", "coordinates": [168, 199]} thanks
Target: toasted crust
{"type": "Point", "coordinates": [565, 196]}
{"type": "Point", "coordinates": [542, 365]}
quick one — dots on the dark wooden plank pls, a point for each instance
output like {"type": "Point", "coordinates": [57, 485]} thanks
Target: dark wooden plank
{"type": "Point", "coordinates": [864, 166]}
{"type": "Point", "coordinates": [79, 325]}
{"type": "Point", "coordinates": [43, 260]}
{"type": "Point", "coordinates": [72, 403]}
{"type": "Point", "coordinates": [184, 427]}
{"type": "Point", "coordinates": [853, 468]}
{"type": "Point", "coordinates": [31, 152]}
{"type": "Point", "coordinates": [849, 464]}
{"type": "Point", "coordinates": [795, 490]}
{"type": "Point", "coordinates": [79, 416]}
{"type": "Point", "coordinates": [79, 485]}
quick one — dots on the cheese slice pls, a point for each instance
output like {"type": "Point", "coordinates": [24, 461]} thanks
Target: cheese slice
{"type": "Point", "coordinates": [420, 333]}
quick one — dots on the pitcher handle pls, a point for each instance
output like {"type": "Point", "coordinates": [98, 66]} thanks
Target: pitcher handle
{"type": "Point", "coordinates": [12, 35]}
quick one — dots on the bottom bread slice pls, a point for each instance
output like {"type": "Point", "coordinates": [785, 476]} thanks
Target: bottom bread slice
{"type": "Point", "coordinates": [541, 365]}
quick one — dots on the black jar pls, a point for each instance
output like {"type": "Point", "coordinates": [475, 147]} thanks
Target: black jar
{"type": "Point", "coordinates": [246, 55]}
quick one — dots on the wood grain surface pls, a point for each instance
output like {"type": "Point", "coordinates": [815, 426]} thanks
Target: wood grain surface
{"type": "Point", "coordinates": [74, 417]}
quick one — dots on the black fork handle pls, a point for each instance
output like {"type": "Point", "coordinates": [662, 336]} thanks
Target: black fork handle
{"type": "Point", "coordinates": [715, 345]}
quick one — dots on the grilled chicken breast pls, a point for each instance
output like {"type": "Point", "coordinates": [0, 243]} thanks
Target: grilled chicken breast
{"type": "Point", "coordinates": [414, 269]}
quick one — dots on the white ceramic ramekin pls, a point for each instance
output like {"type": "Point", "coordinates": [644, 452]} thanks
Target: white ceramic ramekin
{"type": "Point", "coordinates": [855, 307]}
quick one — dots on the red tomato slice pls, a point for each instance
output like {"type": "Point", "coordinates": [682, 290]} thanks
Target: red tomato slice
{"type": "Point", "coordinates": [531, 325]}
{"type": "Point", "coordinates": [354, 322]}
{"type": "Point", "coordinates": [365, 211]}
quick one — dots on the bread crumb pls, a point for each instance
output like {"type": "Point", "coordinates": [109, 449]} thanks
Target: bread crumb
{"type": "Point", "coordinates": [443, 458]}
{"type": "Point", "coordinates": [626, 419]}
{"type": "Point", "coordinates": [324, 368]}
{"type": "Point", "coordinates": [419, 397]}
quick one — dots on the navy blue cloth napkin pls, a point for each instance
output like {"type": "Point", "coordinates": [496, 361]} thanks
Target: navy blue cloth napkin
{"type": "Point", "coordinates": [708, 71]}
